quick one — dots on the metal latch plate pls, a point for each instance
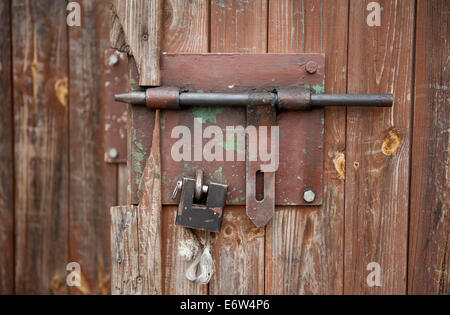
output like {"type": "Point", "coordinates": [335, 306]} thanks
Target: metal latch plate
{"type": "Point", "coordinates": [301, 133]}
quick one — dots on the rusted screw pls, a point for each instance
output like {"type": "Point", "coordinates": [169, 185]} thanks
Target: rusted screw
{"type": "Point", "coordinates": [139, 279]}
{"type": "Point", "coordinates": [113, 60]}
{"type": "Point", "coordinates": [309, 195]}
{"type": "Point", "coordinates": [311, 67]}
{"type": "Point", "coordinates": [145, 37]}
{"type": "Point", "coordinates": [113, 154]}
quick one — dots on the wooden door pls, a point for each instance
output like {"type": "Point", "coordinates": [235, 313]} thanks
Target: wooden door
{"type": "Point", "coordinates": [362, 226]}
{"type": "Point", "coordinates": [386, 204]}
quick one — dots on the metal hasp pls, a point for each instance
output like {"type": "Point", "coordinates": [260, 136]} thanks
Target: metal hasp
{"type": "Point", "coordinates": [262, 110]}
{"type": "Point", "coordinates": [201, 206]}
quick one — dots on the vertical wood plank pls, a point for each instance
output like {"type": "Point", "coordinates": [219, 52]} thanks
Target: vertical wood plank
{"type": "Point", "coordinates": [304, 245]}
{"type": "Point", "coordinates": [141, 23]}
{"type": "Point", "coordinates": [149, 219]}
{"type": "Point", "coordinates": [428, 271]}
{"type": "Point", "coordinates": [238, 26]}
{"type": "Point", "coordinates": [6, 155]}
{"type": "Point", "coordinates": [125, 278]}
{"type": "Point", "coordinates": [185, 30]}
{"type": "Point", "coordinates": [93, 183]}
{"type": "Point", "coordinates": [378, 148]}
{"type": "Point", "coordinates": [41, 145]}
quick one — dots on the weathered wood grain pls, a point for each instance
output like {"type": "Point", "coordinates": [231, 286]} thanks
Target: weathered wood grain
{"type": "Point", "coordinates": [185, 30]}
{"type": "Point", "coordinates": [141, 22]}
{"type": "Point", "coordinates": [378, 148]}
{"type": "Point", "coordinates": [149, 218]}
{"type": "Point", "coordinates": [239, 255]}
{"type": "Point", "coordinates": [41, 110]}
{"type": "Point", "coordinates": [238, 26]}
{"type": "Point", "coordinates": [93, 183]}
{"type": "Point", "coordinates": [304, 245]}
{"type": "Point", "coordinates": [429, 267]}
{"type": "Point", "coordinates": [125, 279]}
{"type": "Point", "coordinates": [6, 155]}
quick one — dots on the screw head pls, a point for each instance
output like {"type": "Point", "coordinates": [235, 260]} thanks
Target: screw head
{"type": "Point", "coordinates": [113, 60]}
{"type": "Point", "coordinates": [113, 154]}
{"type": "Point", "coordinates": [311, 67]}
{"type": "Point", "coordinates": [309, 195]}
{"type": "Point", "coordinates": [145, 37]}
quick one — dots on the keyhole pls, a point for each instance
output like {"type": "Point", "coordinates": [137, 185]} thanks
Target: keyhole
{"type": "Point", "coordinates": [259, 186]}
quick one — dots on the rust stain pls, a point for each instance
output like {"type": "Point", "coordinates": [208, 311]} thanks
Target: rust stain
{"type": "Point", "coordinates": [62, 91]}
{"type": "Point", "coordinates": [339, 164]}
{"type": "Point", "coordinates": [392, 142]}
{"type": "Point", "coordinates": [255, 233]}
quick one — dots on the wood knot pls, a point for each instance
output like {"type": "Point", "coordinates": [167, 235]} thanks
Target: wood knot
{"type": "Point", "coordinates": [62, 92]}
{"type": "Point", "coordinates": [339, 164]}
{"type": "Point", "coordinates": [392, 143]}
{"type": "Point", "coordinates": [228, 231]}
{"type": "Point", "coordinates": [255, 233]}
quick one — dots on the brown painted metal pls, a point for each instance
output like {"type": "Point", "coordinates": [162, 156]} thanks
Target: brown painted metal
{"type": "Point", "coordinates": [116, 114]}
{"type": "Point", "coordinates": [294, 99]}
{"type": "Point", "coordinates": [260, 211]}
{"type": "Point", "coordinates": [301, 133]}
{"type": "Point", "coordinates": [163, 98]}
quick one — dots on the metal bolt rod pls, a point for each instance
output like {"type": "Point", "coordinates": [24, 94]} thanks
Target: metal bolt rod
{"type": "Point", "coordinates": [378, 100]}
{"type": "Point", "coordinates": [226, 99]}
{"type": "Point", "coordinates": [244, 99]}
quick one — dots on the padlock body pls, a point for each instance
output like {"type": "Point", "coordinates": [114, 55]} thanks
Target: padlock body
{"type": "Point", "coordinates": [208, 216]}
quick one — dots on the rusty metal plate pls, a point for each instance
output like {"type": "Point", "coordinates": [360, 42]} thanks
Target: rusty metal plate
{"type": "Point", "coordinates": [116, 114]}
{"type": "Point", "coordinates": [301, 133]}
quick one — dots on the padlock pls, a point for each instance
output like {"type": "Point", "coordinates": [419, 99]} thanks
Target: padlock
{"type": "Point", "coordinates": [201, 206]}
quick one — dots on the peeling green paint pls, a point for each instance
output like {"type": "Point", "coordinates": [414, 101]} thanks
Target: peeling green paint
{"type": "Point", "coordinates": [218, 172]}
{"type": "Point", "coordinates": [132, 81]}
{"type": "Point", "coordinates": [208, 114]}
{"type": "Point", "coordinates": [187, 168]}
{"type": "Point", "coordinates": [323, 121]}
{"type": "Point", "coordinates": [243, 198]}
{"type": "Point", "coordinates": [320, 89]}
{"type": "Point", "coordinates": [200, 91]}
{"type": "Point", "coordinates": [235, 200]}
{"type": "Point", "coordinates": [304, 151]}
{"type": "Point", "coordinates": [307, 86]}
{"type": "Point", "coordinates": [140, 146]}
